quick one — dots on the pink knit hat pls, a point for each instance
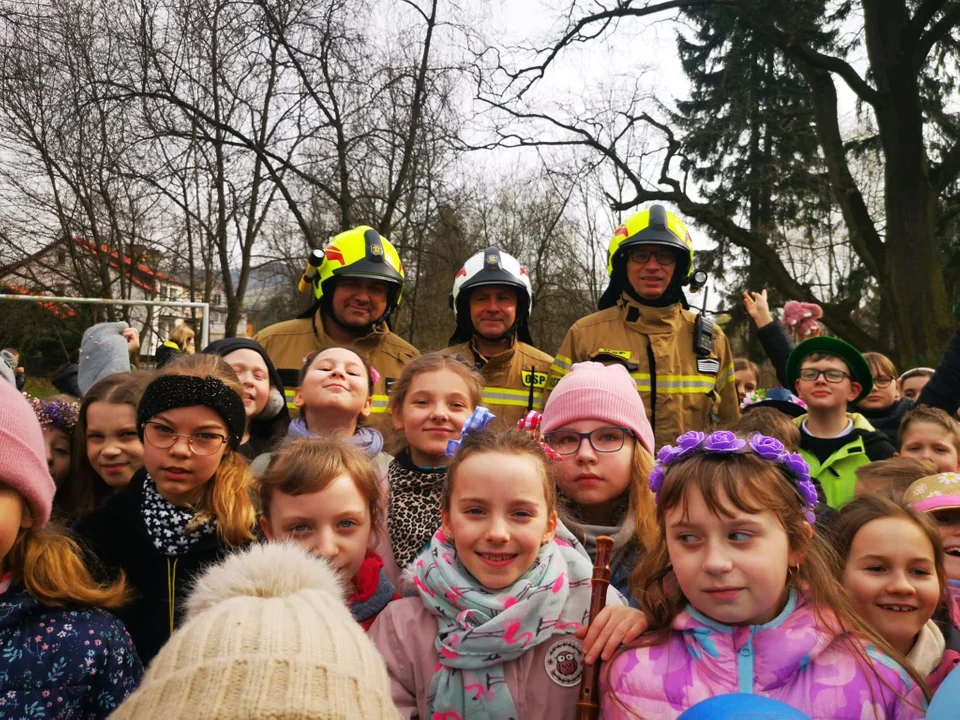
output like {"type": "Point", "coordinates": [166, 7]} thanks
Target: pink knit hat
{"type": "Point", "coordinates": [23, 457]}
{"type": "Point", "coordinates": [593, 391]}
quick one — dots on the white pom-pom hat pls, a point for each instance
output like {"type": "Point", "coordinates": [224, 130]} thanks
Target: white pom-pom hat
{"type": "Point", "coordinates": [267, 634]}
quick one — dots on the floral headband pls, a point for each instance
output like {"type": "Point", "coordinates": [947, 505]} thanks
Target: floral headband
{"type": "Point", "coordinates": [56, 413]}
{"type": "Point", "coordinates": [724, 442]}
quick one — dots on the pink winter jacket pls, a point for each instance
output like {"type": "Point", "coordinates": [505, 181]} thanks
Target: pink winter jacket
{"type": "Point", "coordinates": [793, 658]}
{"type": "Point", "coordinates": [544, 681]}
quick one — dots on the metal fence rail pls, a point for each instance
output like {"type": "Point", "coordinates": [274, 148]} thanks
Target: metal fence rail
{"type": "Point", "coordinates": [205, 329]}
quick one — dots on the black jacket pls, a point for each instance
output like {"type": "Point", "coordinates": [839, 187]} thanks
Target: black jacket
{"type": "Point", "coordinates": [66, 380]}
{"type": "Point", "coordinates": [888, 420]}
{"type": "Point", "coordinates": [117, 539]}
{"type": "Point", "coordinates": [943, 390]}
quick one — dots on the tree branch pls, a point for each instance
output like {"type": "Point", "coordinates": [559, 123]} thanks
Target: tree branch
{"type": "Point", "coordinates": [947, 171]}
{"type": "Point", "coordinates": [938, 31]}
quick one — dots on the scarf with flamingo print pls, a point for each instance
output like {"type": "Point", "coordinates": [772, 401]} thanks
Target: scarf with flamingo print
{"type": "Point", "coordinates": [480, 629]}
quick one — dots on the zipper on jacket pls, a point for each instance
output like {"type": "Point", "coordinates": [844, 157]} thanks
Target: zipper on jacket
{"type": "Point", "coordinates": [172, 588]}
{"type": "Point", "coordinates": [651, 361]}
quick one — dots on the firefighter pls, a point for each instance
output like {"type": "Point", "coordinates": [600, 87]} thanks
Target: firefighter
{"type": "Point", "coordinates": [358, 282]}
{"type": "Point", "coordinates": [492, 300]}
{"type": "Point", "coordinates": [681, 362]}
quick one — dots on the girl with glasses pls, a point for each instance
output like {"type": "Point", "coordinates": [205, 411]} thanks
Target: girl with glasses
{"type": "Point", "coordinates": [884, 407]}
{"type": "Point", "coordinates": [596, 421]}
{"type": "Point", "coordinates": [188, 506]}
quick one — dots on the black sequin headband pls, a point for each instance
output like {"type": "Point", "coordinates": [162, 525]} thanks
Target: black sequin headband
{"type": "Point", "coordinates": [176, 391]}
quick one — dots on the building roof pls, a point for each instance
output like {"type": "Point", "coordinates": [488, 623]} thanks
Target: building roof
{"type": "Point", "coordinates": [137, 271]}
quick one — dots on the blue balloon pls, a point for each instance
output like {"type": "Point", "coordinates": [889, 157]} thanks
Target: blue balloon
{"type": "Point", "coordinates": [946, 700]}
{"type": "Point", "coordinates": [742, 706]}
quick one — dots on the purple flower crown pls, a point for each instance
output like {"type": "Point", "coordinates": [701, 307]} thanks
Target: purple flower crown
{"type": "Point", "coordinates": [58, 413]}
{"type": "Point", "coordinates": [724, 442]}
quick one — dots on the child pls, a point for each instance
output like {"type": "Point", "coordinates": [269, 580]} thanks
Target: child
{"type": "Point", "coordinates": [62, 656]}
{"type": "Point", "coordinates": [891, 564]}
{"type": "Point", "coordinates": [891, 478]}
{"type": "Point", "coordinates": [263, 398]}
{"type": "Point", "coordinates": [827, 374]}
{"type": "Point", "coordinates": [740, 596]}
{"type": "Point", "coordinates": [747, 375]}
{"type": "Point", "coordinates": [932, 435]}
{"type": "Point", "coordinates": [432, 398]}
{"type": "Point", "coordinates": [108, 451]}
{"type": "Point", "coordinates": [913, 381]}
{"type": "Point", "coordinates": [599, 427]}
{"type": "Point", "coordinates": [58, 418]}
{"type": "Point", "coordinates": [326, 496]}
{"type": "Point", "coordinates": [939, 495]}
{"type": "Point", "coordinates": [489, 633]}
{"type": "Point", "coordinates": [884, 408]}
{"type": "Point", "coordinates": [335, 396]}
{"type": "Point", "coordinates": [189, 505]}
{"type": "Point", "coordinates": [181, 341]}
{"type": "Point", "coordinates": [769, 421]}
{"type": "Point", "coordinates": [266, 636]}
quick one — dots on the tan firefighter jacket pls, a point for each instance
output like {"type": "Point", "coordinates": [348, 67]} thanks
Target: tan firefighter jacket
{"type": "Point", "coordinates": [513, 380]}
{"type": "Point", "coordinates": [289, 342]}
{"type": "Point", "coordinates": [681, 390]}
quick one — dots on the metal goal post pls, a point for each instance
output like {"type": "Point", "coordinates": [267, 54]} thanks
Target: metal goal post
{"type": "Point", "coordinates": [205, 306]}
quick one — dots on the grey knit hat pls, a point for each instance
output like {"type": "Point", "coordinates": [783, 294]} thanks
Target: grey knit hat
{"type": "Point", "coordinates": [8, 363]}
{"type": "Point", "coordinates": [103, 352]}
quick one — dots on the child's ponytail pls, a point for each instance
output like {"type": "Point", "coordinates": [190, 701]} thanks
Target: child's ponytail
{"type": "Point", "coordinates": [49, 565]}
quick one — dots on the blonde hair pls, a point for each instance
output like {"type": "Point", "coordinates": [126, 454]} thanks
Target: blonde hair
{"type": "Point", "coordinates": [435, 362]}
{"type": "Point", "coordinates": [51, 568]}
{"type": "Point", "coordinates": [309, 465]}
{"type": "Point", "coordinates": [750, 484]}
{"type": "Point", "coordinates": [225, 496]}
{"type": "Point", "coordinates": [180, 334]}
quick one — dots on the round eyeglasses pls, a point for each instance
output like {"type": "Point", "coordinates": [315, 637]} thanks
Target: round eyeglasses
{"type": "Point", "coordinates": [163, 437]}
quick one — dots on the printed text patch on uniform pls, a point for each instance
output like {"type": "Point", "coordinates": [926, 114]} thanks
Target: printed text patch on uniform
{"type": "Point", "coordinates": [708, 366]}
{"type": "Point", "coordinates": [625, 354]}
{"type": "Point", "coordinates": [539, 379]}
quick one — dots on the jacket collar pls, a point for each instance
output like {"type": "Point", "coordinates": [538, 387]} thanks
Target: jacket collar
{"type": "Point", "coordinates": [779, 648]}
{"type": "Point", "coordinates": [650, 320]}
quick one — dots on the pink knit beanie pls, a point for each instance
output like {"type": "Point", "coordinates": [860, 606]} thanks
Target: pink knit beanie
{"type": "Point", "coordinates": [593, 391]}
{"type": "Point", "coordinates": [23, 457]}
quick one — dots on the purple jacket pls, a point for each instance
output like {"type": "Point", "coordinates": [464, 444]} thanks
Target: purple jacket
{"type": "Point", "coordinates": [794, 659]}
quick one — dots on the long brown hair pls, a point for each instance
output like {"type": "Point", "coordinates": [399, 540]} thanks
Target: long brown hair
{"type": "Point", "coordinates": [226, 495]}
{"type": "Point", "coordinates": [867, 508]}
{"type": "Point", "coordinates": [50, 566]}
{"type": "Point", "coordinates": [308, 465]}
{"type": "Point", "coordinates": [750, 484]}
{"type": "Point", "coordinates": [78, 495]}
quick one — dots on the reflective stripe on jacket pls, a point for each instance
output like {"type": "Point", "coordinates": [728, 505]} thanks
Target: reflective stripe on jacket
{"type": "Point", "coordinates": [288, 343]}
{"type": "Point", "coordinates": [513, 380]}
{"type": "Point", "coordinates": [681, 390]}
